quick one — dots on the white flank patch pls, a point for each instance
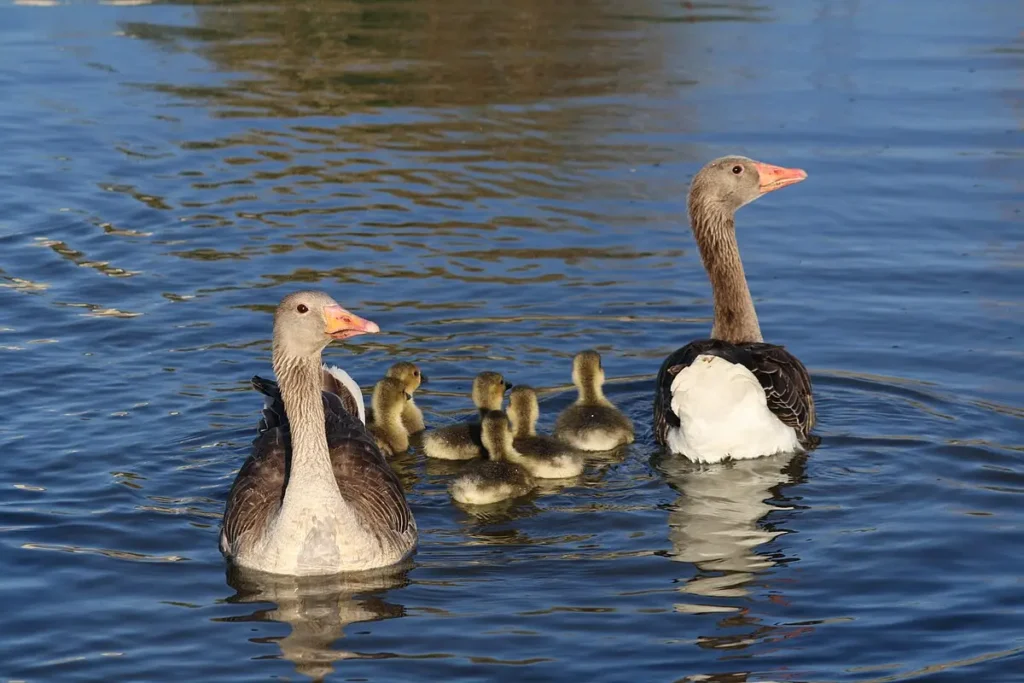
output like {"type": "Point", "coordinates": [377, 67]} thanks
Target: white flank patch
{"type": "Point", "coordinates": [724, 413]}
{"type": "Point", "coordinates": [353, 388]}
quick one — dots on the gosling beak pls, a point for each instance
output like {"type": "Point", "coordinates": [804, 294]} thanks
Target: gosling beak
{"type": "Point", "coordinates": [508, 385]}
{"type": "Point", "coordinates": [774, 177]}
{"type": "Point", "coordinates": [423, 378]}
{"type": "Point", "coordinates": [342, 324]}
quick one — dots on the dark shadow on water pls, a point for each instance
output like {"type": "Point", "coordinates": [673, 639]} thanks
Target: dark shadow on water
{"type": "Point", "coordinates": [318, 609]}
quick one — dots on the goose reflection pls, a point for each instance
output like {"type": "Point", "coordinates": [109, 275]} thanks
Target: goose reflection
{"type": "Point", "coordinates": [716, 522]}
{"type": "Point", "coordinates": [317, 609]}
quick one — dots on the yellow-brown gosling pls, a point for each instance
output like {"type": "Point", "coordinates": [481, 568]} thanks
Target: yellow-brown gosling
{"type": "Point", "coordinates": [592, 423]}
{"type": "Point", "coordinates": [463, 441]}
{"type": "Point", "coordinates": [389, 400]}
{"type": "Point", "coordinates": [410, 376]}
{"type": "Point", "coordinates": [544, 456]}
{"type": "Point", "coordinates": [496, 478]}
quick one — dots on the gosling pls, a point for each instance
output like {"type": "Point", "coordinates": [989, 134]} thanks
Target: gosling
{"type": "Point", "coordinates": [389, 400]}
{"type": "Point", "coordinates": [463, 441]}
{"type": "Point", "coordinates": [592, 423]}
{"type": "Point", "coordinates": [543, 456]}
{"type": "Point", "coordinates": [497, 478]}
{"type": "Point", "coordinates": [409, 374]}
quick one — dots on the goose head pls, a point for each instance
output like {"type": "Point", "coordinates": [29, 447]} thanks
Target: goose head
{"type": "Point", "coordinates": [306, 322]}
{"type": "Point", "coordinates": [408, 374]}
{"type": "Point", "coordinates": [489, 390]}
{"type": "Point", "coordinates": [734, 181]}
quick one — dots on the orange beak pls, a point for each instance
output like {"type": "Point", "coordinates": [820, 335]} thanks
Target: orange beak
{"type": "Point", "coordinates": [341, 324]}
{"type": "Point", "coordinates": [774, 177]}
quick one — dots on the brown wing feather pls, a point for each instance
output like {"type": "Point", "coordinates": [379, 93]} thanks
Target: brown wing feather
{"type": "Point", "coordinates": [346, 401]}
{"type": "Point", "coordinates": [258, 489]}
{"type": "Point", "coordinates": [787, 386]}
{"type": "Point", "coordinates": [364, 475]}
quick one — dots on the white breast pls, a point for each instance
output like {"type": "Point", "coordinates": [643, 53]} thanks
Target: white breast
{"type": "Point", "coordinates": [353, 388]}
{"type": "Point", "coordinates": [723, 413]}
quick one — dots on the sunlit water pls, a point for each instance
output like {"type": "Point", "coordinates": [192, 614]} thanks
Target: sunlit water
{"type": "Point", "coordinates": [500, 185]}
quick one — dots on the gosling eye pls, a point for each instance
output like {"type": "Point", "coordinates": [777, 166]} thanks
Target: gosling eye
{"type": "Point", "coordinates": [301, 308]}
{"type": "Point", "coordinates": [415, 373]}
{"type": "Point", "coordinates": [736, 170]}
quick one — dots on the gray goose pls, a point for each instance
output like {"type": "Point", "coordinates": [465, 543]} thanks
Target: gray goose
{"type": "Point", "coordinates": [732, 396]}
{"type": "Point", "coordinates": [316, 496]}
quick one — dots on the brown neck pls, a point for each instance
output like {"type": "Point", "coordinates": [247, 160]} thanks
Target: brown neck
{"type": "Point", "coordinates": [714, 229]}
{"type": "Point", "coordinates": [300, 379]}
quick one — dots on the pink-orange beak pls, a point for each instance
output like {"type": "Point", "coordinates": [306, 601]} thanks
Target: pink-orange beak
{"type": "Point", "coordinates": [774, 177]}
{"type": "Point", "coordinates": [342, 324]}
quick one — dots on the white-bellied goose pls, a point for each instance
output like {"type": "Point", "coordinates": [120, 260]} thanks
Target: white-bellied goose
{"type": "Point", "coordinates": [545, 457]}
{"type": "Point", "coordinates": [498, 477]}
{"type": "Point", "coordinates": [732, 396]}
{"type": "Point", "coordinates": [410, 376]}
{"type": "Point", "coordinates": [389, 400]}
{"type": "Point", "coordinates": [462, 441]}
{"type": "Point", "coordinates": [592, 423]}
{"type": "Point", "coordinates": [315, 496]}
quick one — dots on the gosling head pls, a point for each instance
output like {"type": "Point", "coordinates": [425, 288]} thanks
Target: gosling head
{"type": "Point", "coordinates": [306, 322]}
{"type": "Point", "coordinates": [496, 434]}
{"type": "Point", "coordinates": [489, 390]}
{"type": "Point", "coordinates": [733, 181]}
{"type": "Point", "coordinates": [523, 410]}
{"type": "Point", "coordinates": [408, 374]}
{"type": "Point", "coordinates": [389, 397]}
{"type": "Point", "coordinates": [587, 373]}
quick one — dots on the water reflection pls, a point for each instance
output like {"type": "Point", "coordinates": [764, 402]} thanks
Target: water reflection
{"type": "Point", "coordinates": [318, 609]}
{"type": "Point", "coordinates": [716, 523]}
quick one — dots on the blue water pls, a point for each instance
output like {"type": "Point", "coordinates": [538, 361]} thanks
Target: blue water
{"type": "Point", "coordinates": [500, 185]}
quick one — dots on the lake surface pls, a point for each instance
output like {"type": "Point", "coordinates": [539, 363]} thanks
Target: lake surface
{"type": "Point", "coordinates": [500, 185]}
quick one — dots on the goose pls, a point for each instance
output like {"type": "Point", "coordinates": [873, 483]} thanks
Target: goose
{"type": "Point", "coordinates": [409, 374]}
{"type": "Point", "coordinates": [592, 423]}
{"type": "Point", "coordinates": [496, 478]}
{"type": "Point", "coordinates": [732, 396]}
{"type": "Point", "coordinates": [389, 400]}
{"type": "Point", "coordinates": [315, 497]}
{"type": "Point", "coordinates": [462, 441]}
{"type": "Point", "coordinates": [544, 456]}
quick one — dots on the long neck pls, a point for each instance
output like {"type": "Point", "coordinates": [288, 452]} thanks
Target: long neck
{"type": "Point", "coordinates": [591, 391]}
{"type": "Point", "coordinates": [310, 469]}
{"type": "Point", "coordinates": [714, 229]}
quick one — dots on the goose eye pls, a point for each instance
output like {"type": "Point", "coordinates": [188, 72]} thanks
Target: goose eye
{"type": "Point", "coordinates": [301, 308]}
{"type": "Point", "coordinates": [737, 170]}
{"type": "Point", "coordinates": [415, 373]}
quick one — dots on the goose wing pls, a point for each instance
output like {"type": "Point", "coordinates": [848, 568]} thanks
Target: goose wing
{"type": "Point", "coordinates": [256, 494]}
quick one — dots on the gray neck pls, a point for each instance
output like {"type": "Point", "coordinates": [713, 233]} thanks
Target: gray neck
{"type": "Point", "coordinates": [714, 229]}
{"type": "Point", "coordinates": [310, 474]}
